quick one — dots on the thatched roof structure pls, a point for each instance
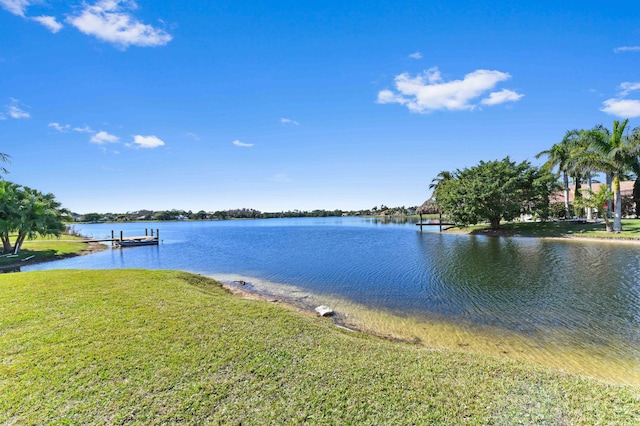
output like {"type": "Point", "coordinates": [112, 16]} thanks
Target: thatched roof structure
{"type": "Point", "coordinates": [428, 207]}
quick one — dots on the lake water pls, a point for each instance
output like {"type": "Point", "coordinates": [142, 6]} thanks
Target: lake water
{"type": "Point", "coordinates": [567, 304]}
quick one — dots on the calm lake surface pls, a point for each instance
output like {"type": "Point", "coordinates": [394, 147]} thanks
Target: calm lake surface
{"type": "Point", "coordinates": [568, 304]}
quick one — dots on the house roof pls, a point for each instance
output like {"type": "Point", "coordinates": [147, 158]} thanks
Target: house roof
{"type": "Point", "coordinates": [626, 188]}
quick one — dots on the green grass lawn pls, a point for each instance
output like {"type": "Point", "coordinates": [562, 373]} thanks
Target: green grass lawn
{"type": "Point", "coordinates": [157, 347]}
{"type": "Point", "coordinates": [630, 229]}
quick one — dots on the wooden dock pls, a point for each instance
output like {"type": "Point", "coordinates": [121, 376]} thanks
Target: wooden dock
{"type": "Point", "coordinates": [149, 238]}
{"type": "Point", "coordinates": [435, 222]}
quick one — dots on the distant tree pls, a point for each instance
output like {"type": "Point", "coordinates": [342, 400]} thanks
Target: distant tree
{"type": "Point", "coordinates": [496, 190]}
{"type": "Point", "coordinates": [91, 217]}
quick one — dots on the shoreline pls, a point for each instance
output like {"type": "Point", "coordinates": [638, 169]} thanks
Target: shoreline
{"type": "Point", "coordinates": [507, 233]}
{"type": "Point", "coordinates": [91, 247]}
{"type": "Point", "coordinates": [373, 324]}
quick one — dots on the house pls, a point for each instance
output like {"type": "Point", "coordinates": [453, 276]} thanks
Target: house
{"type": "Point", "coordinates": [626, 190]}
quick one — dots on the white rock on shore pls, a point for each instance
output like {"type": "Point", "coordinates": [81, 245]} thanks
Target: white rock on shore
{"type": "Point", "coordinates": [324, 311]}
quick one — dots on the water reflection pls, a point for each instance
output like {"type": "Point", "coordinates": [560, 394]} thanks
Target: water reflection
{"type": "Point", "coordinates": [581, 298]}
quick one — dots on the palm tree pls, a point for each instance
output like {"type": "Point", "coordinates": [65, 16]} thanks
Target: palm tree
{"type": "Point", "coordinates": [617, 154]}
{"type": "Point", "coordinates": [559, 155]}
{"type": "Point", "coordinates": [29, 213]}
{"type": "Point", "coordinates": [583, 160]}
{"type": "Point", "coordinates": [4, 158]}
{"type": "Point", "coordinates": [597, 200]}
{"type": "Point", "coordinates": [437, 181]}
{"type": "Point", "coordinates": [8, 212]}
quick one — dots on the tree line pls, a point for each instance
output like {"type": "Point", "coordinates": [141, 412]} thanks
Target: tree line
{"type": "Point", "coordinates": [243, 213]}
{"type": "Point", "coordinates": [503, 190]}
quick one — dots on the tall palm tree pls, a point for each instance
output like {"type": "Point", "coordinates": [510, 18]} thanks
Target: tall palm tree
{"type": "Point", "coordinates": [559, 156]}
{"type": "Point", "coordinates": [582, 162]}
{"type": "Point", "coordinates": [635, 168]}
{"type": "Point", "coordinates": [617, 154]}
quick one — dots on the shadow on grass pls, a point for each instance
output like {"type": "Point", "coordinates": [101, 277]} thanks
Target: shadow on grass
{"type": "Point", "coordinates": [12, 263]}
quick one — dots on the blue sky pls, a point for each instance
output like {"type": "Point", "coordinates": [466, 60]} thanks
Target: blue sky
{"type": "Point", "coordinates": [117, 106]}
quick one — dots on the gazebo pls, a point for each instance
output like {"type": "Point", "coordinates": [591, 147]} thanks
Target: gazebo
{"type": "Point", "coordinates": [430, 207]}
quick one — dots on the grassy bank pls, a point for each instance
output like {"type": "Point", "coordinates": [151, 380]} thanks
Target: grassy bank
{"type": "Point", "coordinates": [45, 249]}
{"type": "Point", "coordinates": [165, 347]}
{"type": "Point", "coordinates": [560, 229]}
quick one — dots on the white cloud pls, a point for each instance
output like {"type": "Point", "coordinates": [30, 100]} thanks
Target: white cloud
{"type": "Point", "coordinates": [17, 7]}
{"type": "Point", "coordinates": [623, 108]}
{"type": "Point", "coordinates": [49, 22]}
{"type": "Point", "coordinates": [85, 129]}
{"type": "Point", "coordinates": [429, 92]}
{"type": "Point", "coordinates": [242, 144]}
{"type": "Point", "coordinates": [103, 137]}
{"type": "Point", "coordinates": [148, 141]}
{"type": "Point", "coordinates": [289, 121]}
{"type": "Point", "coordinates": [620, 107]}
{"type": "Point", "coordinates": [505, 95]}
{"type": "Point", "coordinates": [416, 55]}
{"type": "Point", "coordinates": [193, 136]}
{"type": "Point", "coordinates": [107, 21]}
{"type": "Point", "coordinates": [628, 87]}
{"type": "Point", "coordinates": [15, 111]}
{"type": "Point", "coordinates": [59, 127]}
{"type": "Point", "coordinates": [627, 49]}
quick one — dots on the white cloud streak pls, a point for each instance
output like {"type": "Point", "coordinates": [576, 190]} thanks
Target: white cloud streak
{"type": "Point", "coordinates": [627, 49]}
{"type": "Point", "coordinates": [103, 137]}
{"type": "Point", "coordinates": [429, 92]}
{"type": "Point", "coordinates": [242, 144]}
{"type": "Point", "coordinates": [416, 55]}
{"type": "Point", "coordinates": [85, 129]}
{"type": "Point", "coordinates": [17, 7]}
{"type": "Point", "coordinates": [15, 111]}
{"type": "Point", "coordinates": [59, 127]}
{"type": "Point", "coordinates": [107, 21]}
{"type": "Point", "coordinates": [621, 107]}
{"type": "Point", "coordinates": [289, 121]}
{"type": "Point", "coordinates": [49, 22]}
{"type": "Point", "coordinates": [505, 95]}
{"type": "Point", "coordinates": [628, 87]}
{"type": "Point", "coordinates": [147, 141]}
